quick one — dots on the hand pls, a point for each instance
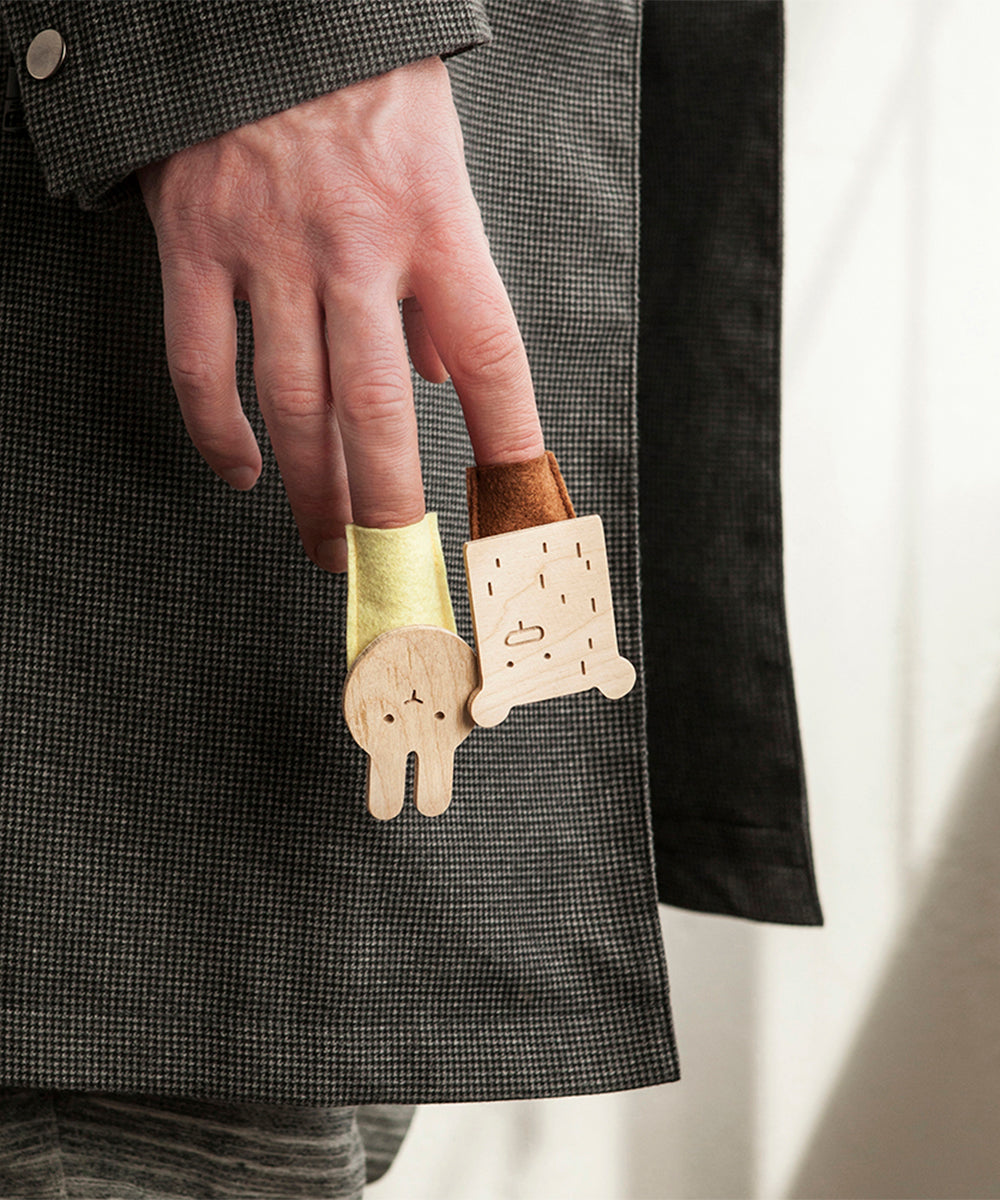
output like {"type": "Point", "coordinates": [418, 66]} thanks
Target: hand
{"type": "Point", "coordinates": [324, 217]}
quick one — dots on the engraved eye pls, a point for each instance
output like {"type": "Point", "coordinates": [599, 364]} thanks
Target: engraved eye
{"type": "Point", "coordinates": [389, 718]}
{"type": "Point", "coordinates": [510, 664]}
{"type": "Point", "coordinates": [547, 655]}
{"type": "Point", "coordinates": [439, 716]}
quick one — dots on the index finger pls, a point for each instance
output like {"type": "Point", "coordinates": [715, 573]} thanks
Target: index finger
{"type": "Point", "coordinates": [200, 335]}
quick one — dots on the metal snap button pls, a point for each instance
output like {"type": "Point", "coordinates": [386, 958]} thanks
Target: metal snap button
{"type": "Point", "coordinates": [45, 54]}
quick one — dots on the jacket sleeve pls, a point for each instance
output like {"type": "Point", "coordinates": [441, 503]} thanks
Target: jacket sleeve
{"type": "Point", "coordinates": [142, 79]}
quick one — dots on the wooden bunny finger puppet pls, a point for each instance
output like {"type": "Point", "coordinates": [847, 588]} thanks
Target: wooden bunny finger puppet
{"type": "Point", "coordinates": [407, 692]}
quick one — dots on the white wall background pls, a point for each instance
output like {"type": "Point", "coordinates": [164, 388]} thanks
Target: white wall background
{"type": "Point", "coordinates": [862, 1059]}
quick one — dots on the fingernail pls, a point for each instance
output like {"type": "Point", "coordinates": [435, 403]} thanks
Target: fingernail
{"type": "Point", "coordinates": [241, 478]}
{"type": "Point", "coordinates": [332, 555]}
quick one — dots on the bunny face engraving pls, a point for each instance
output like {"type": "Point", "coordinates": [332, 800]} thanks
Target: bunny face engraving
{"type": "Point", "coordinates": [407, 692]}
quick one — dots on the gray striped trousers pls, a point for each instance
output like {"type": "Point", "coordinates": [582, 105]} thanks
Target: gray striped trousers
{"type": "Point", "coordinates": [57, 1145]}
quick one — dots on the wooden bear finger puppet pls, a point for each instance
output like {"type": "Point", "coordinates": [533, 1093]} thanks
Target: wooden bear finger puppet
{"type": "Point", "coordinates": [540, 592]}
{"type": "Point", "coordinates": [541, 607]}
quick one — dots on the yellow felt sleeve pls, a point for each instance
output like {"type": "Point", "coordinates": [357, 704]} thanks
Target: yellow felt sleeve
{"type": "Point", "coordinates": [395, 577]}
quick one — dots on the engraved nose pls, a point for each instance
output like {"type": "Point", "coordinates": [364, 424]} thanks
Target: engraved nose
{"type": "Point", "coordinates": [521, 636]}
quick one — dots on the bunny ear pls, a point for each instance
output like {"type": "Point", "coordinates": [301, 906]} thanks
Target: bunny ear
{"type": "Point", "coordinates": [386, 785]}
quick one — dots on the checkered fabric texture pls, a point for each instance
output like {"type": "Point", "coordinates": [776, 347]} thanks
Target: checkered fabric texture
{"type": "Point", "coordinates": [194, 901]}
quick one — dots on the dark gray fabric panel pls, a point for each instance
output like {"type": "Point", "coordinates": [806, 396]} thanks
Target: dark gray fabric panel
{"type": "Point", "coordinates": [141, 80]}
{"type": "Point", "coordinates": [729, 796]}
{"type": "Point", "coordinates": [194, 900]}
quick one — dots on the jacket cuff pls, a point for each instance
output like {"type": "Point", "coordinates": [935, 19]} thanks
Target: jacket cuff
{"type": "Point", "coordinates": [142, 79]}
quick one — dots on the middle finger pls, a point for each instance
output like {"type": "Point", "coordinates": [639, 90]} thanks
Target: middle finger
{"type": "Point", "coordinates": [373, 398]}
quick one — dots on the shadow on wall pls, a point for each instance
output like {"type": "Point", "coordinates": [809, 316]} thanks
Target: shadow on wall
{"type": "Point", "coordinates": [916, 1111]}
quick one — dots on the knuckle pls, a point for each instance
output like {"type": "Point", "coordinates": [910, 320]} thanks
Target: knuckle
{"type": "Point", "coordinates": [445, 243]}
{"type": "Point", "coordinates": [292, 400]}
{"type": "Point", "coordinates": [358, 267]}
{"type": "Point", "coordinates": [194, 370]}
{"type": "Point", "coordinates": [195, 234]}
{"type": "Point", "coordinates": [377, 398]}
{"type": "Point", "coordinates": [454, 227]}
{"type": "Point", "coordinates": [487, 353]}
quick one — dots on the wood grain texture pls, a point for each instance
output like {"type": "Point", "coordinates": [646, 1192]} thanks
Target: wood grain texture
{"type": "Point", "coordinates": [407, 693]}
{"type": "Point", "coordinates": [543, 617]}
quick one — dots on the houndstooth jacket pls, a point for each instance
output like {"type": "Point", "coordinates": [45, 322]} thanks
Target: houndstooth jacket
{"type": "Point", "coordinates": [193, 899]}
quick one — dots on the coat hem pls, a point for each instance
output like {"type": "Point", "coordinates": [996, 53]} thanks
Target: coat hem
{"type": "Point", "coordinates": [284, 1064]}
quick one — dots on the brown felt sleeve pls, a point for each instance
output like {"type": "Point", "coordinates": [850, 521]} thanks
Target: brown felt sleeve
{"type": "Point", "coordinates": [509, 496]}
